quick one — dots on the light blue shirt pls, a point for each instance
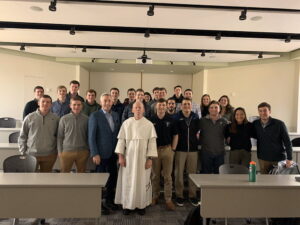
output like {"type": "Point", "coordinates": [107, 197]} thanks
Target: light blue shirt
{"type": "Point", "coordinates": [109, 119]}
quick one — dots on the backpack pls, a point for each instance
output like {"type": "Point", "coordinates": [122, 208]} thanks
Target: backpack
{"type": "Point", "coordinates": [282, 169]}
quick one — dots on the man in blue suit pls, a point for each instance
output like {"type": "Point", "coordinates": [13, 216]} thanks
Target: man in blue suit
{"type": "Point", "coordinates": [104, 126]}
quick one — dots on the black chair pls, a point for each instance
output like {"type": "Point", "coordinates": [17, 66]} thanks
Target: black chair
{"type": "Point", "coordinates": [7, 122]}
{"type": "Point", "coordinates": [233, 169]}
{"type": "Point", "coordinates": [19, 164]}
{"type": "Point", "coordinates": [13, 137]}
{"type": "Point", "coordinates": [296, 142]}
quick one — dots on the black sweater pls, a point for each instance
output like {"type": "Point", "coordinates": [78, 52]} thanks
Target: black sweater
{"type": "Point", "coordinates": [240, 139]}
{"type": "Point", "coordinates": [273, 141]}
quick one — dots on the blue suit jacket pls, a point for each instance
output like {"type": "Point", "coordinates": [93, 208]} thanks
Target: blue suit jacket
{"type": "Point", "coordinates": [102, 141]}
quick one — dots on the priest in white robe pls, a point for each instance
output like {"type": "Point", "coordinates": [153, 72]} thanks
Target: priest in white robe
{"type": "Point", "coordinates": [136, 146]}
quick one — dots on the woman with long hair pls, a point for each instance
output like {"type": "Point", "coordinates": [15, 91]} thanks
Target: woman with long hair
{"type": "Point", "coordinates": [226, 109]}
{"type": "Point", "coordinates": [205, 100]}
{"type": "Point", "coordinates": [238, 135]}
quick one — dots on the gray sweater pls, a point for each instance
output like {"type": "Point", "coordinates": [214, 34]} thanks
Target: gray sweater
{"type": "Point", "coordinates": [38, 134]}
{"type": "Point", "coordinates": [72, 133]}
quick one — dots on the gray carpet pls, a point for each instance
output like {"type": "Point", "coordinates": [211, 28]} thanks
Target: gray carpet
{"type": "Point", "coordinates": [155, 215]}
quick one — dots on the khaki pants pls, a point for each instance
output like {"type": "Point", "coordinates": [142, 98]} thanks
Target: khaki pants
{"type": "Point", "coordinates": [188, 161]}
{"type": "Point", "coordinates": [240, 156]}
{"type": "Point", "coordinates": [266, 166]}
{"type": "Point", "coordinates": [163, 164]}
{"type": "Point", "coordinates": [67, 159]}
{"type": "Point", "coordinates": [45, 163]}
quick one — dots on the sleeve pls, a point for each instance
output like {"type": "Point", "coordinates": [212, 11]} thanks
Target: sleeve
{"type": "Point", "coordinates": [125, 113]}
{"type": "Point", "coordinates": [152, 147]}
{"type": "Point", "coordinates": [174, 128]}
{"type": "Point", "coordinates": [92, 135]}
{"type": "Point", "coordinates": [286, 141]}
{"type": "Point", "coordinates": [60, 135]}
{"type": "Point", "coordinates": [253, 131]}
{"type": "Point", "coordinates": [26, 110]}
{"type": "Point", "coordinates": [24, 136]}
{"type": "Point", "coordinates": [121, 145]}
{"type": "Point", "coordinates": [227, 133]}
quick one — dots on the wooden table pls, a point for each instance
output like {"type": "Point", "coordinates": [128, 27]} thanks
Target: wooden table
{"type": "Point", "coordinates": [232, 196]}
{"type": "Point", "coordinates": [51, 195]}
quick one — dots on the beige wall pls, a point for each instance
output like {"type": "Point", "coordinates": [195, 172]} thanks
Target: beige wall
{"type": "Point", "coordinates": [247, 86]}
{"type": "Point", "coordinates": [19, 75]}
{"type": "Point", "coordinates": [83, 76]}
{"type": "Point", "coordinates": [103, 81]}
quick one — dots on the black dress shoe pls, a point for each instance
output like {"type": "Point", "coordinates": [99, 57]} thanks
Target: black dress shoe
{"type": "Point", "coordinates": [141, 211]}
{"type": "Point", "coordinates": [126, 212]}
{"type": "Point", "coordinates": [104, 210]}
{"type": "Point", "coordinates": [112, 206]}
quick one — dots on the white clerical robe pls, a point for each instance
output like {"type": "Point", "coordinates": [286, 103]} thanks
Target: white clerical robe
{"type": "Point", "coordinates": [136, 141]}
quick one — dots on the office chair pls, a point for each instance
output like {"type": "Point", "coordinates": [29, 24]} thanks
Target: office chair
{"type": "Point", "coordinates": [234, 169]}
{"type": "Point", "coordinates": [7, 122]}
{"type": "Point", "coordinates": [13, 137]}
{"type": "Point", "coordinates": [296, 142]}
{"type": "Point", "coordinates": [20, 164]}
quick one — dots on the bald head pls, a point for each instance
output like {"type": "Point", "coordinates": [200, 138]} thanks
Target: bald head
{"type": "Point", "coordinates": [138, 109]}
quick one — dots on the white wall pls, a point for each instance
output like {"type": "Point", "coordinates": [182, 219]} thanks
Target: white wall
{"type": "Point", "coordinates": [19, 75]}
{"type": "Point", "coordinates": [83, 76]}
{"type": "Point", "coordinates": [247, 86]}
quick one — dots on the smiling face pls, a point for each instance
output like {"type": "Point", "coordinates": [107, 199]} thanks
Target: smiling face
{"type": "Point", "coordinates": [214, 110]}
{"type": "Point", "coordinates": [264, 113]}
{"type": "Point", "coordinates": [106, 102]}
{"type": "Point", "coordinates": [171, 105]}
{"type": "Point", "coordinates": [62, 93]}
{"type": "Point", "coordinates": [240, 116]}
{"type": "Point", "coordinates": [139, 96]}
{"type": "Point", "coordinates": [74, 88]}
{"type": "Point", "coordinates": [138, 110]}
{"type": "Point", "coordinates": [38, 93]}
{"type": "Point", "coordinates": [205, 100]}
{"type": "Point", "coordinates": [91, 97]}
{"type": "Point", "coordinates": [114, 94]}
{"type": "Point", "coordinates": [223, 101]}
{"type": "Point", "coordinates": [44, 104]}
{"type": "Point", "coordinates": [186, 106]}
{"type": "Point", "coordinates": [76, 106]}
{"type": "Point", "coordinates": [177, 91]}
{"type": "Point", "coordinates": [161, 107]}
{"type": "Point", "coordinates": [188, 94]}
{"type": "Point", "coordinates": [131, 95]}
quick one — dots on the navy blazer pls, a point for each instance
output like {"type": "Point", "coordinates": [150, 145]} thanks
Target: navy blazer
{"type": "Point", "coordinates": [102, 141]}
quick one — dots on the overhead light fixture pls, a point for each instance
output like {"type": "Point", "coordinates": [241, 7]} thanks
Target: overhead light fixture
{"type": "Point", "coordinates": [93, 60]}
{"type": "Point", "coordinates": [84, 49]}
{"type": "Point", "coordinates": [147, 33]}
{"type": "Point", "coordinates": [260, 55]}
{"type": "Point", "coordinates": [52, 6]}
{"type": "Point", "coordinates": [72, 31]}
{"type": "Point", "coordinates": [150, 11]}
{"type": "Point", "coordinates": [22, 47]}
{"type": "Point", "coordinates": [194, 64]}
{"type": "Point", "coordinates": [116, 61]}
{"type": "Point", "coordinates": [144, 57]}
{"type": "Point", "coordinates": [243, 15]}
{"type": "Point", "coordinates": [203, 53]}
{"type": "Point", "coordinates": [288, 39]}
{"type": "Point", "coordinates": [218, 37]}
{"type": "Point", "coordinates": [171, 62]}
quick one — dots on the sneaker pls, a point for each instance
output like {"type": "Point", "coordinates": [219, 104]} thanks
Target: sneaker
{"type": "Point", "coordinates": [141, 211]}
{"type": "Point", "coordinates": [170, 205]}
{"type": "Point", "coordinates": [154, 201]}
{"type": "Point", "coordinates": [126, 212]}
{"type": "Point", "coordinates": [179, 201]}
{"type": "Point", "coordinates": [194, 201]}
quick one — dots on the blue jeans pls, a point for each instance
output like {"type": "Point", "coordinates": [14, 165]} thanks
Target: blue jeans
{"type": "Point", "coordinates": [210, 163]}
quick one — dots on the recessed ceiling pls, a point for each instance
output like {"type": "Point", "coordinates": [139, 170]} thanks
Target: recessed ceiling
{"type": "Point", "coordinates": [34, 27]}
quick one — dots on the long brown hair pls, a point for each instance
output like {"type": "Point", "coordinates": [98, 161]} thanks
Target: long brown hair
{"type": "Point", "coordinates": [228, 108]}
{"type": "Point", "coordinates": [233, 126]}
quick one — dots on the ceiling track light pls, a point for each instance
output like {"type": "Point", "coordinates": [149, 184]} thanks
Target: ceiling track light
{"type": "Point", "coordinates": [116, 61]}
{"type": "Point", "coordinates": [52, 6]}
{"type": "Point", "coordinates": [219, 36]}
{"type": "Point", "coordinates": [194, 64]}
{"type": "Point", "coordinates": [260, 55]}
{"type": "Point", "coordinates": [22, 47]}
{"type": "Point", "coordinates": [150, 11]}
{"type": "Point", "coordinates": [288, 39]}
{"type": "Point", "coordinates": [203, 53]}
{"type": "Point", "coordinates": [84, 50]}
{"type": "Point", "coordinates": [93, 60]}
{"type": "Point", "coordinates": [72, 31]}
{"type": "Point", "coordinates": [243, 15]}
{"type": "Point", "coordinates": [147, 33]}
{"type": "Point", "coordinates": [144, 57]}
{"type": "Point", "coordinates": [171, 62]}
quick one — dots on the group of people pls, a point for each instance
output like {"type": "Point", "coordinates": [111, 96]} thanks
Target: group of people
{"type": "Point", "coordinates": [140, 140]}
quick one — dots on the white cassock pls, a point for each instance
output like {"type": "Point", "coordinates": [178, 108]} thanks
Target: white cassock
{"type": "Point", "coordinates": [136, 141]}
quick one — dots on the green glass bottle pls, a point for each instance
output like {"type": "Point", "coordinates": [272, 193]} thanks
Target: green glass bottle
{"type": "Point", "coordinates": [252, 171]}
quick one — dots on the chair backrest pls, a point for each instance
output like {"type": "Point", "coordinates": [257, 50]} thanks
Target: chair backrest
{"type": "Point", "coordinates": [13, 137]}
{"type": "Point", "coordinates": [7, 122]}
{"type": "Point", "coordinates": [233, 169]}
{"type": "Point", "coordinates": [20, 164]}
{"type": "Point", "coordinates": [296, 142]}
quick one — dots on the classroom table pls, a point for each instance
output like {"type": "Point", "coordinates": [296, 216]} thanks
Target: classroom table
{"type": "Point", "coordinates": [5, 132]}
{"type": "Point", "coordinates": [232, 196]}
{"type": "Point", "coordinates": [51, 195]}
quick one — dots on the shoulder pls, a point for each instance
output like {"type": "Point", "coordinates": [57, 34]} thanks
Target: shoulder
{"type": "Point", "coordinates": [53, 116]}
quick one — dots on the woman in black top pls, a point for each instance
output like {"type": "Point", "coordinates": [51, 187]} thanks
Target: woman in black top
{"type": "Point", "coordinates": [205, 100]}
{"type": "Point", "coordinates": [238, 135]}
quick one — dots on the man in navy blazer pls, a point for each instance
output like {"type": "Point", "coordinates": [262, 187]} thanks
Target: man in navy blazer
{"type": "Point", "coordinates": [104, 126]}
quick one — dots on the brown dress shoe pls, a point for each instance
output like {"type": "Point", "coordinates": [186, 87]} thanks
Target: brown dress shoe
{"type": "Point", "coordinates": [170, 205]}
{"type": "Point", "coordinates": [154, 201]}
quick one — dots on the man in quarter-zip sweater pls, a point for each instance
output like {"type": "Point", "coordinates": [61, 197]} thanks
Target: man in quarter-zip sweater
{"type": "Point", "coordinates": [38, 135]}
{"type": "Point", "coordinates": [72, 140]}
{"type": "Point", "coordinates": [186, 155]}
